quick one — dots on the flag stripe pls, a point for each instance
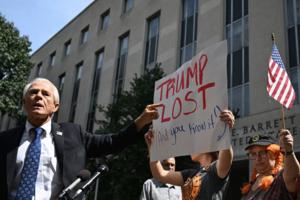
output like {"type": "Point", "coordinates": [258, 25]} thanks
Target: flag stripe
{"type": "Point", "coordinates": [288, 98]}
{"type": "Point", "coordinates": [278, 76]}
{"type": "Point", "coordinates": [280, 89]}
{"type": "Point", "coordinates": [284, 92]}
{"type": "Point", "coordinates": [286, 89]}
{"type": "Point", "coordinates": [279, 85]}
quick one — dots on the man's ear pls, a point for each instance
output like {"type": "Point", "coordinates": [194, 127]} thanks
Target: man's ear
{"type": "Point", "coordinates": [56, 107]}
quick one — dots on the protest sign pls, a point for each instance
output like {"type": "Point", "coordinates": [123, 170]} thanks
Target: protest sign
{"type": "Point", "coordinates": [191, 100]}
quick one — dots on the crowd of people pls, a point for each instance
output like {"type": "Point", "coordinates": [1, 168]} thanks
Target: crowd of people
{"type": "Point", "coordinates": [40, 158]}
{"type": "Point", "coordinates": [275, 169]}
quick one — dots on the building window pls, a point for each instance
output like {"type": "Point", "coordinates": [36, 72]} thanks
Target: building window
{"type": "Point", "coordinates": [152, 40]}
{"type": "Point", "coordinates": [293, 35]}
{"type": "Point", "coordinates": [61, 83]}
{"type": "Point", "coordinates": [238, 56]}
{"type": "Point", "coordinates": [127, 5]}
{"type": "Point", "coordinates": [67, 48]}
{"type": "Point", "coordinates": [38, 72]}
{"type": "Point", "coordinates": [188, 43]}
{"type": "Point", "coordinates": [104, 20]}
{"type": "Point", "coordinates": [75, 91]}
{"type": "Point", "coordinates": [95, 90]}
{"type": "Point", "coordinates": [122, 57]}
{"type": "Point", "coordinates": [52, 59]}
{"type": "Point", "coordinates": [84, 35]}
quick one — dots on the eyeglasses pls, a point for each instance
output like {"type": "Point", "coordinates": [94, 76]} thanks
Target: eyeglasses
{"type": "Point", "coordinates": [255, 155]}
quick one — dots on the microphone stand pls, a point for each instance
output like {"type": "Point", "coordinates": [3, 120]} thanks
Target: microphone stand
{"type": "Point", "coordinates": [84, 189]}
{"type": "Point", "coordinates": [82, 176]}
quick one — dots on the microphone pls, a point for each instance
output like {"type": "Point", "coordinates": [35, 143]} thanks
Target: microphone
{"type": "Point", "coordinates": [81, 177]}
{"type": "Point", "coordinates": [101, 169]}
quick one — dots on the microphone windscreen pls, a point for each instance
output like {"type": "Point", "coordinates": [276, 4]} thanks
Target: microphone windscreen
{"type": "Point", "coordinates": [84, 175]}
{"type": "Point", "coordinates": [103, 168]}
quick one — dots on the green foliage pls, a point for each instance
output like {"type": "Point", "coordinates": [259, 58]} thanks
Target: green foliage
{"type": "Point", "coordinates": [130, 168]}
{"type": "Point", "coordinates": [130, 104]}
{"type": "Point", "coordinates": [14, 68]}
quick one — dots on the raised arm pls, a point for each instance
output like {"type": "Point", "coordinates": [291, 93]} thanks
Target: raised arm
{"type": "Point", "coordinates": [158, 172]}
{"type": "Point", "coordinates": [224, 162]}
{"type": "Point", "coordinates": [165, 176]}
{"type": "Point", "coordinates": [291, 164]}
{"type": "Point", "coordinates": [225, 156]}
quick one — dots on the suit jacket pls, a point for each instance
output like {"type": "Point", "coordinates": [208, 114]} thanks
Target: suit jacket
{"type": "Point", "coordinates": [72, 147]}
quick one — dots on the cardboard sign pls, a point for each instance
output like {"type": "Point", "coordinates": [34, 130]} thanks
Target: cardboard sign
{"type": "Point", "coordinates": [191, 100]}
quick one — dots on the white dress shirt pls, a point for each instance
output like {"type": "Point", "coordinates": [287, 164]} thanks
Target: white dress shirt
{"type": "Point", "coordinates": [155, 190]}
{"type": "Point", "coordinates": [48, 182]}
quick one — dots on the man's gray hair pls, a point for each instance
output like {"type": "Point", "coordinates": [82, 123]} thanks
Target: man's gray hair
{"type": "Point", "coordinates": [55, 91]}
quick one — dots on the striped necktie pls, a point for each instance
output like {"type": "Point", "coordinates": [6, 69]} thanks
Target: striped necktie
{"type": "Point", "coordinates": [26, 188]}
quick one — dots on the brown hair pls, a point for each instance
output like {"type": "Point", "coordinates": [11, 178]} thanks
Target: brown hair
{"type": "Point", "coordinates": [273, 151]}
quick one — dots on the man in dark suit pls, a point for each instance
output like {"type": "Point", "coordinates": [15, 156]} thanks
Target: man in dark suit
{"type": "Point", "coordinates": [62, 149]}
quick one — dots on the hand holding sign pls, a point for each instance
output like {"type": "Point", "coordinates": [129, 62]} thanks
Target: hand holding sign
{"type": "Point", "coordinates": [149, 136]}
{"type": "Point", "coordinates": [227, 117]}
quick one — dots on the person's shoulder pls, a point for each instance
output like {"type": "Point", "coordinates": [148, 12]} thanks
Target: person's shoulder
{"type": "Point", "coordinates": [213, 167]}
{"type": "Point", "coordinates": [10, 138]}
{"type": "Point", "coordinates": [212, 172]}
{"type": "Point", "coordinates": [68, 125]}
{"type": "Point", "coordinates": [150, 180]}
{"type": "Point", "coordinates": [279, 175]}
{"type": "Point", "coordinates": [214, 163]}
{"type": "Point", "coordinates": [189, 173]}
{"type": "Point", "coordinates": [13, 130]}
{"type": "Point", "coordinates": [191, 170]}
{"type": "Point", "coordinates": [147, 182]}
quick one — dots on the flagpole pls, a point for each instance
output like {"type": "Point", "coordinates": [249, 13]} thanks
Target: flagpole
{"type": "Point", "coordinates": [282, 109]}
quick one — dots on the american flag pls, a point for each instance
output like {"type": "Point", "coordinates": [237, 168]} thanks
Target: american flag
{"type": "Point", "coordinates": [279, 85]}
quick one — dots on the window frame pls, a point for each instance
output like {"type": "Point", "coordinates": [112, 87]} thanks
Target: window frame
{"type": "Point", "coordinates": [125, 7]}
{"type": "Point", "coordinates": [186, 46]}
{"type": "Point", "coordinates": [39, 69]}
{"type": "Point", "coordinates": [292, 20]}
{"type": "Point", "coordinates": [148, 52]}
{"type": "Point", "coordinates": [121, 65]}
{"type": "Point", "coordinates": [52, 59]}
{"type": "Point", "coordinates": [76, 87]}
{"type": "Point", "coordinates": [95, 89]}
{"type": "Point", "coordinates": [84, 35]}
{"type": "Point", "coordinates": [67, 47]}
{"type": "Point", "coordinates": [103, 25]}
{"type": "Point", "coordinates": [238, 87]}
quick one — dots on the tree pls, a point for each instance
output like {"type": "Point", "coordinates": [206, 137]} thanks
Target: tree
{"type": "Point", "coordinates": [130, 168]}
{"type": "Point", "coordinates": [14, 68]}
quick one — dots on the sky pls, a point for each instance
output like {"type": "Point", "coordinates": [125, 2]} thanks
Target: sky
{"type": "Point", "coordinates": [41, 19]}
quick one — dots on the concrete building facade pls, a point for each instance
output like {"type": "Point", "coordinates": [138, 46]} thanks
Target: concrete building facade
{"type": "Point", "coordinates": [97, 53]}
